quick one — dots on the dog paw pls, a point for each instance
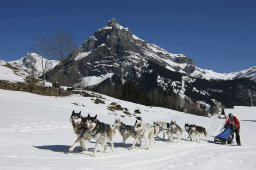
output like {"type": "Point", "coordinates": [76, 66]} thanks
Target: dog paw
{"type": "Point", "coordinates": [70, 149]}
{"type": "Point", "coordinates": [93, 155]}
{"type": "Point", "coordinates": [82, 149]}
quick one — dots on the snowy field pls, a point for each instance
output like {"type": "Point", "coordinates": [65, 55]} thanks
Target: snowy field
{"type": "Point", "coordinates": [36, 134]}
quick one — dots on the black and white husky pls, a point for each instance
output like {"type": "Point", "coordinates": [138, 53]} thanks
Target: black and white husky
{"type": "Point", "coordinates": [174, 129]}
{"type": "Point", "coordinates": [100, 132]}
{"type": "Point", "coordinates": [125, 131]}
{"type": "Point", "coordinates": [144, 131]}
{"type": "Point", "coordinates": [195, 132]}
{"type": "Point", "coordinates": [77, 122]}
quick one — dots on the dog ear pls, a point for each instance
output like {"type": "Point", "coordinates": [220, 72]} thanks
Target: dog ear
{"type": "Point", "coordinates": [88, 116]}
{"type": "Point", "coordinates": [95, 116]}
{"type": "Point", "coordinates": [73, 112]}
{"type": "Point", "coordinates": [79, 112]}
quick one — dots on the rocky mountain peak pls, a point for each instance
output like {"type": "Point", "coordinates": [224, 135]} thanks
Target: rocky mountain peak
{"type": "Point", "coordinates": [112, 22]}
{"type": "Point", "coordinates": [31, 59]}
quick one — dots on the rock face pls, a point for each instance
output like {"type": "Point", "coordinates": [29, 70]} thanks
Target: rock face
{"type": "Point", "coordinates": [116, 62]}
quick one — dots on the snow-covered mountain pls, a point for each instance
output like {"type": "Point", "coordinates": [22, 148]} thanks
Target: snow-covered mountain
{"type": "Point", "coordinates": [18, 70]}
{"type": "Point", "coordinates": [114, 48]}
{"type": "Point", "coordinates": [116, 62]}
{"type": "Point", "coordinates": [33, 63]}
{"type": "Point", "coordinates": [248, 73]}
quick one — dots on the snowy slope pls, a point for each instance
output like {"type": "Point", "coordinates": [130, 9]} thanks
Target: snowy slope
{"type": "Point", "coordinates": [8, 74]}
{"type": "Point", "coordinates": [35, 134]}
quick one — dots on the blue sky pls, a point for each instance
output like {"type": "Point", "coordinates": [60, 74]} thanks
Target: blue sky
{"type": "Point", "coordinates": [217, 34]}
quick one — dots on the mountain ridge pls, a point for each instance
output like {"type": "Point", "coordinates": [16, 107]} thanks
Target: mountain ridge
{"type": "Point", "coordinates": [129, 68]}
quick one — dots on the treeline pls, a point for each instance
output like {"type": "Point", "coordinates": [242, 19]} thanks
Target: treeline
{"type": "Point", "coordinates": [129, 91]}
{"type": "Point", "coordinates": [33, 88]}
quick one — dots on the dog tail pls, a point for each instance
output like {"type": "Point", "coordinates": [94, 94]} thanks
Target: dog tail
{"type": "Point", "coordinates": [113, 131]}
{"type": "Point", "coordinates": [205, 133]}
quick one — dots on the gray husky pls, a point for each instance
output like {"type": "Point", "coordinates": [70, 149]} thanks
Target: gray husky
{"type": "Point", "coordinates": [99, 131]}
{"type": "Point", "coordinates": [174, 129]}
{"type": "Point", "coordinates": [125, 131]}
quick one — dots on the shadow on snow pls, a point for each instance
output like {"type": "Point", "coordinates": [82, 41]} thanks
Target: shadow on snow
{"type": "Point", "coordinates": [64, 148]}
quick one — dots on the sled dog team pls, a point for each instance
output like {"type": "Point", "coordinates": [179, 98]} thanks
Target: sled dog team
{"type": "Point", "coordinates": [87, 128]}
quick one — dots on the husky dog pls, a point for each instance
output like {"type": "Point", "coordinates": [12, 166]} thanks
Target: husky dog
{"type": "Point", "coordinates": [125, 130]}
{"type": "Point", "coordinates": [157, 129]}
{"type": "Point", "coordinates": [195, 132]}
{"type": "Point", "coordinates": [174, 129]}
{"type": "Point", "coordinates": [77, 122]}
{"type": "Point", "coordinates": [144, 131]}
{"type": "Point", "coordinates": [201, 132]}
{"type": "Point", "coordinates": [191, 130]}
{"type": "Point", "coordinates": [99, 131]}
{"type": "Point", "coordinates": [163, 127]}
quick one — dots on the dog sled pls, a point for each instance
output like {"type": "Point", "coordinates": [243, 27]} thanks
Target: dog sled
{"type": "Point", "coordinates": [225, 137]}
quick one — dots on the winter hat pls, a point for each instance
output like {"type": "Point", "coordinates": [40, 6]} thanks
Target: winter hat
{"type": "Point", "coordinates": [230, 115]}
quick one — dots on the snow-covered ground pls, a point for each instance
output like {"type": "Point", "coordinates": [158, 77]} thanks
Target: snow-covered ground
{"type": "Point", "coordinates": [36, 134]}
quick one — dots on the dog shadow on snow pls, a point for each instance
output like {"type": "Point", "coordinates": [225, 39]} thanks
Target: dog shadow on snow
{"type": "Point", "coordinates": [54, 148]}
{"type": "Point", "coordinates": [60, 148]}
{"type": "Point", "coordinates": [64, 148]}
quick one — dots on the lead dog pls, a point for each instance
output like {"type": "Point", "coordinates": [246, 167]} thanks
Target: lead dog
{"type": "Point", "coordinates": [77, 122]}
{"type": "Point", "coordinates": [100, 132]}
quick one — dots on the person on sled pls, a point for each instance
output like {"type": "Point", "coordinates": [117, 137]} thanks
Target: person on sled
{"type": "Point", "coordinates": [234, 123]}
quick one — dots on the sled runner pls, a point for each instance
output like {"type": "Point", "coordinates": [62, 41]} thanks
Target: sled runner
{"type": "Point", "coordinates": [224, 137]}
